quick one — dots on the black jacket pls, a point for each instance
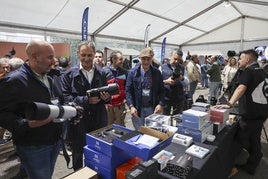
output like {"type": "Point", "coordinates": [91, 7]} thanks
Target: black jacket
{"type": "Point", "coordinates": [16, 89]}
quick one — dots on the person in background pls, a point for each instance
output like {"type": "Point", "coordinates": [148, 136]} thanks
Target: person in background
{"type": "Point", "coordinates": [228, 73]}
{"type": "Point", "coordinates": [193, 74]}
{"type": "Point", "coordinates": [98, 58]}
{"type": "Point", "coordinates": [165, 60]}
{"type": "Point", "coordinates": [214, 73]}
{"type": "Point", "coordinates": [64, 64]}
{"type": "Point", "coordinates": [76, 81]}
{"type": "Point", "coordinates": [251, 108]}
{"type": "Point", "coordinates": [172, 74]}
{"type": "Point", "coordinates": [14, 63]}
{"type": "Point", "coordinates": [204, 76]}
{"type": "Point", "coordinates": [37, 141]}
{"type": "Point", "coordinates": [5, 68]}
{"type": "Point", "coordinates": [144, 89]}
{"type": "Point", "coordinates": [115, 73]}
{"type": "Point", "coordinates": [264, 64]}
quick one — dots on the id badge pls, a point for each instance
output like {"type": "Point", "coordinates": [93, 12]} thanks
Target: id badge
{"type": "Point", "coordinates": [146, 92]}
{"type": "Point", "coordinates": [54, 101]}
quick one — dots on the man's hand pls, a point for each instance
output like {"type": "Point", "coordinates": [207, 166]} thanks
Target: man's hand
{"type": "Point", "coordinates": [93, 100]}
{"type": "Point", "coordinates": [169, 81]}
{"type": "Point", "coordinates": [105, 96]}
{"type": "Point", "coordinates": [133, 112]}
{"type": "Point", "coordinates": [158, 109]}
{"type": "Point", "coordinates": [222, 106]}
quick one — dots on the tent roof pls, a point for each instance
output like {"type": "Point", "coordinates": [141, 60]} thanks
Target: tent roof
{"type": "Point", "coordinates": [182, 22]}
{"type": "Point", "coordinates": [206, 52]}
{"type": "Point", "coordinates": [125, 51]}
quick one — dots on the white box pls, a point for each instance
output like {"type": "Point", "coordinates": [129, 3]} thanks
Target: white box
{"type": "Point", "coordinates": [194, 119]}
{"type": "Point", "coordinates": [182, 139]}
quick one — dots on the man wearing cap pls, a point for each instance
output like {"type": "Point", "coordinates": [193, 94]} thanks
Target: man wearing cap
{"type": "Point", "coordinates": [172, 74]}
{"type": "Point", "coordinates": [144, 89]}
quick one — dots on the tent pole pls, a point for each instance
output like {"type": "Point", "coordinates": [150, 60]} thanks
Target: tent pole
{"type": "Point", "coordinates": [242, 33]}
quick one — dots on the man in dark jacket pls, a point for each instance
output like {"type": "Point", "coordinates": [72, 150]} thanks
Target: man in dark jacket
{"type": "Point", "coordinates": [172, 74]}
{"type": "Point", "coordinates": [76, 81]}
{"type": "Point", "coordinates": [144, 89]}
{"type": "Point", "coordinates": [37, 141]}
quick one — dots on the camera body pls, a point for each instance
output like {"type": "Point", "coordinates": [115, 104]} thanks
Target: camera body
{"type": "Point", "coordinates": [112, 89]}
{"type": "Point", "coordinates": [175, 75]}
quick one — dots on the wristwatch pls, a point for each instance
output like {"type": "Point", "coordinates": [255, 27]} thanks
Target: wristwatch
{"type": "Point", "coordinates": [229, 104]}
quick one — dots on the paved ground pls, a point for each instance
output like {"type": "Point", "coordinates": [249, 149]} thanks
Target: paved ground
{"type": "Point", "coordinates": [10, 166]}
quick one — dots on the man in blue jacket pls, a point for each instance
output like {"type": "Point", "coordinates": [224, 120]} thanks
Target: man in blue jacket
{"type": "Point", "coordinates": [172, 74]}
{"type": "Point", "coordinates": [37, 141]}
{"type": "Point", "coordinates": [76, 81]}
{"type": "Point", "coordinates": [144, 89]}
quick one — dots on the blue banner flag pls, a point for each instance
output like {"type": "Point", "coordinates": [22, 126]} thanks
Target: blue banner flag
{"type": "Point", "coordinates": [85, 25]}
{"type": "Point", "coordinates": [146, 42]}
{"type": "Point", "coordinates": [163, 49]}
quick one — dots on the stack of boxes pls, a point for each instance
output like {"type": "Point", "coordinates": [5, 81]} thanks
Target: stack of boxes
{"type": "Point", "coordinates": [196, 124]}
{"type": "Point", "coordinates": [203, 120]}
{"type": "Point", "coordinates": [218, 117]}
{"type": "Point", "coordinates": [103, 156]}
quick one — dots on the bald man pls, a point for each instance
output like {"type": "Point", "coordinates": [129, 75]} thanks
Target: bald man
{"type": "Point", "coordinates": [37, 141]}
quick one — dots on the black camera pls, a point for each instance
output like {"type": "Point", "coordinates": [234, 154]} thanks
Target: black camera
{"type": "Point", "coordinates": [175, 75]}
{"type": "Point", "coordinates": [112, 89]}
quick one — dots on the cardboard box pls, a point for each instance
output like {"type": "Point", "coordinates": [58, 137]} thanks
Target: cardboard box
{"type": "Point", "coordinates": [99, 144]}
{"type": "Point", "coordinates": [194, 119]}
{"type": "Point", "coordinates": [103, 172]}
{"type": "Point", "coordinates": [197, 135]}
{"type": "Point", "coordinates": [105, 160]}
{"type": "Point", "coordinates": [84, 173]}
{"type": "Point", "coordinates": [142, 151]}
{"type": "Point", "coordinates": [219, 115]}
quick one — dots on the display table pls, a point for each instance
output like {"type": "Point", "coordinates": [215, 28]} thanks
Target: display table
{"type": "Point", "coordinates": [218, 163]}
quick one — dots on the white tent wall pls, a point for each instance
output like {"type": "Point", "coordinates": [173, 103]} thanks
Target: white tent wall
{"type": "Point", "coordinates": [225, 47]}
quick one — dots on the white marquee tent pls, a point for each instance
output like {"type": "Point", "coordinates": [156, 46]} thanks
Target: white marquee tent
{"type": "Point", "coordinates": [185, 23]}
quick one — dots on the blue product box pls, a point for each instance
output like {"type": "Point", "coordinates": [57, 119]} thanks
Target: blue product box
{"type": "Point", "coordinates": [194, 119]}
{"type": "Point", "coordinates": [128, 144]}
{"type": "Point", "coordinates": [103, 172]}
{"type": "Point", "coordinates": [105, 160]}
{"type": "Point", "coordinates": [197, 135]}
{"type": "Point", "coordinates": [96, 141]}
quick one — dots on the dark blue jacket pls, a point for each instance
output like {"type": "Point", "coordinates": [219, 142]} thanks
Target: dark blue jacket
{"type": "Point", "coordinates": [74, 88]}
{"type": "Point", "coordinates": [173, 92]}
{"type": "Point", "coordinates": [16, 89]}
{"type": "Point", "coordinates": [134, 89]}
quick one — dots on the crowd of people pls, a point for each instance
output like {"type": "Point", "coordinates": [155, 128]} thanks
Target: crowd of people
{"type": "Point", "coordinates": [148, 87]}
